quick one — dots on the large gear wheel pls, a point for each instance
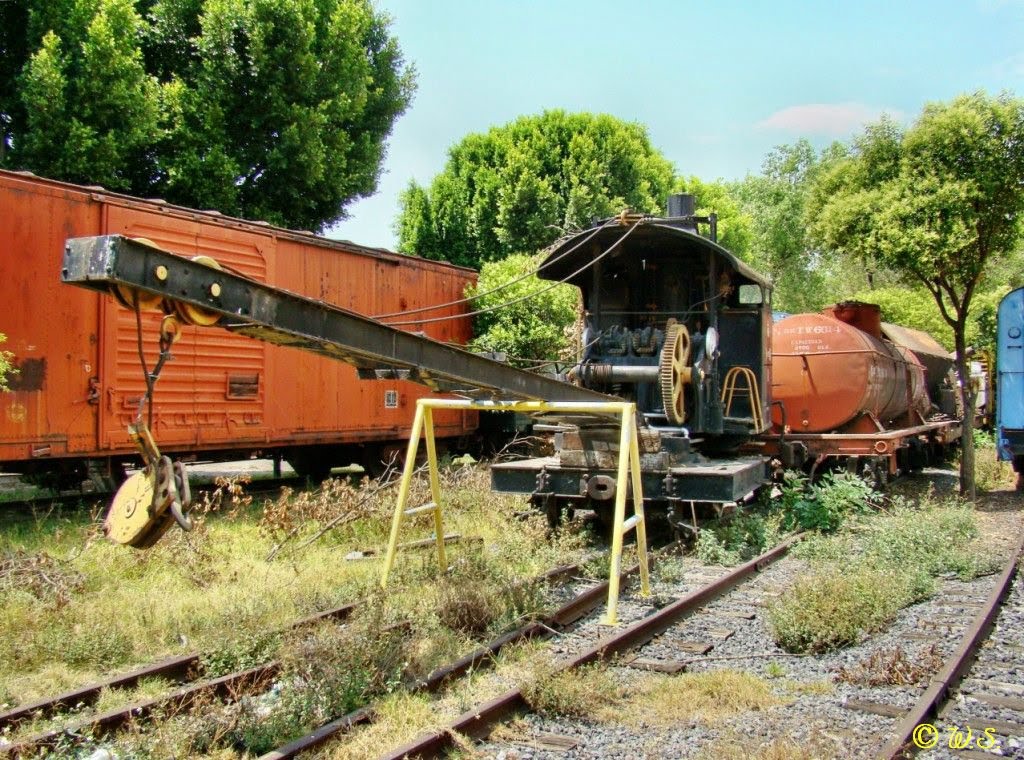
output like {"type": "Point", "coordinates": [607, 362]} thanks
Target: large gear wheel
{"type": "Point", "coordinates": [675, 372]}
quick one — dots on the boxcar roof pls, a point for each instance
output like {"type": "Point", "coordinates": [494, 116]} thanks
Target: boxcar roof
{"type": "Point", "coordinates": [215, 217]}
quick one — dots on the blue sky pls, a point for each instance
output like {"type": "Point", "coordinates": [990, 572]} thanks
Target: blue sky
{"type": "Point", "coordinates": [717, 84]}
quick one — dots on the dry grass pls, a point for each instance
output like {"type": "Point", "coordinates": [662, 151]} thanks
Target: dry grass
{"type": "Point", "coordinates": [665, 701]}
{"type": "Point", "coordinates": [738, 747]}
{"type": "Point", "coordinates": [579, 692]}
{"type": "Point", "coordinates": [400, 719]}
{"type": "Point", "coordinates": [893, 667]}
{"type": "Point", "coordinates": [92, 607]}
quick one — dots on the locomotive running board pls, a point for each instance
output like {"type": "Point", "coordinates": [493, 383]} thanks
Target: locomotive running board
{"type": "Point", "coordinates": [273, 315]}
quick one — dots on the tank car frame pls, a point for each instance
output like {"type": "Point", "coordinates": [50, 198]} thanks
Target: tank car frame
{"type": "Point", "coordinates": [852, 393]}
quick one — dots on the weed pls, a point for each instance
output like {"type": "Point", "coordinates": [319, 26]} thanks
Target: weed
{"type": "Point", "coordinates": [39, 576]}
{"type": "Point", "coordinates": [775, 669]}
{"type": "Point", "coordinates": [479, 594]}
{"type": "Point", "coordinates": [244, 650]}
{"type": "Point", "coordinates": [814, 688]}
{"type": "Point", "coordinates": [826, 505]}
{"type": "Point", "coordinates": [893, 667]}
{"type": "Point", "coordinates": [904, 550]}
{"type": "Point", "coordinates": [400, 718]}
{"type": "Point", "coordinates": [737, 538]}
{"type": "Point", "coordinates": [664, 701]}
{"type": "Point", "coordinates": [738, 747]}
{"type": "Point", "coordinates": [834, 608]}
{"type": "Point", "coordinates": [578, 692]}
{"type": "Point", "coordinates": [671, 569]}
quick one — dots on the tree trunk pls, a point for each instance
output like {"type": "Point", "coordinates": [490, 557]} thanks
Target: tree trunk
{"type": "Point", "coordinates": [967, 400]}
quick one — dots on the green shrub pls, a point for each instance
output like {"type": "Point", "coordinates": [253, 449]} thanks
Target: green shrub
{"type": "Point", "coordinates": [826, 505]}
{"type": "Point", "coordinates": [737, 538]}
{"type": "Point", "coordinates": [577, 692]}
{"type": "Point", "coordinates": [874, 567]}
{"type": "Point", "coordinates": [242, 651]}
{"type": "Point", "coordinates": [834, 608]}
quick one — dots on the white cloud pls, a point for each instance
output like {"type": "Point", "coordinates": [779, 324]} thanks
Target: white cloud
{"type": "Point", "coordinates": [1012, 66]}
{"type": "Point", "coordinates": [833, 119]}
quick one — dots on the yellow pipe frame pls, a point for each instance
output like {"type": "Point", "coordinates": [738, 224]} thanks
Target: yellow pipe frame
{"type": "Point", "coordinates": [628, 474]}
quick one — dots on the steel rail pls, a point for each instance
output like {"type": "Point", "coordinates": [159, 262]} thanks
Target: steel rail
{"type": "Point", "coordinates": [478, 722]}
{"type": "Point", "coordinates": [259, 311]}
{"type": "Point", "coordinates": [185, 666]}
{"type": "Point", "coordinates": [928, 704]}
{"type": "Point", "coordinates": [568, 613]}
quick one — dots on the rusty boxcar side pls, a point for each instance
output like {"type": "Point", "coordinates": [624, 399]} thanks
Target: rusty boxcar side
{"type": "Point", "coordinates": [80, 380]}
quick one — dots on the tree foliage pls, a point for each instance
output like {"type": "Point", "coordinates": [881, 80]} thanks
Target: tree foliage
{"type": "Point", "coordinates": [936, 203]}
{"type": "Point", "coordinates": [522, 185]}
{"type": "Point", "coordinates": [735, 225]}
{"type": "Point", "coordinates": [775, 202]}
{"type": "Point", "coordinates": [6, 364]}
{"type": "Point", "coordinates": [259, 108]}
{"type": "Point", "coordinates": [530, 331]}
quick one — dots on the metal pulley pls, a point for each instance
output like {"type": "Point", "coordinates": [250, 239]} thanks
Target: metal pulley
{"type": "Point", "coordinates": [152, 499]}
{"type": "Point", "coordinates": [130, 298]}
{"type": "Point", "coordinates": [148, 503]}
{"type": "Point", "coordinates": [196, 315]}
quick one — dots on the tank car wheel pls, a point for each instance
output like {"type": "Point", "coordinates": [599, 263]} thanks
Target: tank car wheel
{"type": "Point", "coordinates": [675, 372]}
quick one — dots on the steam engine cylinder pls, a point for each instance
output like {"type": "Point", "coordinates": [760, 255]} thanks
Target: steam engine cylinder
{"type": "Point", "coordinates": [827, 373]}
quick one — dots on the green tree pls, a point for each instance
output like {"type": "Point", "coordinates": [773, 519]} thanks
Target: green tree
{"type": "Point", "coordinates": [91, 111]}
{"type": "Point", "coordinates": [531, 329]}
{"type": "Point", "coordinates": [735, 226]}
{"type": "Point", "coordinates": [936, 203]}
{"type": "Point", "coordinates": [266, 109]}
{"type": "Point", "coordinates": [775, 202]}
{"type": "Point", "coordinates": [6, 364]}
{"type": "Point", "coordinates": [522, 185]}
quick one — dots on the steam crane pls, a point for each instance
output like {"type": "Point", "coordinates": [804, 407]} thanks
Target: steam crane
{"type": "Point", "coordinates": [674, 324]}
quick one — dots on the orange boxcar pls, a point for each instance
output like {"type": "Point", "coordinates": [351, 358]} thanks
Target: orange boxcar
{"type": "Point", "coordinates": [80, 379]}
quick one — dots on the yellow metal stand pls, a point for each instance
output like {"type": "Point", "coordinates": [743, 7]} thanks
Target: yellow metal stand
{"type": "Point", "coordinates": [628, 474]}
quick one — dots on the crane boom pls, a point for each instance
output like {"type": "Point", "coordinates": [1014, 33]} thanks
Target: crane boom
{"type": "Point", "coordinates": [260, 311]}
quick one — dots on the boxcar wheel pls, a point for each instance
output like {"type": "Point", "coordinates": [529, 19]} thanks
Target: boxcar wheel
{"type": "Point", "coordinates": [314, 466]}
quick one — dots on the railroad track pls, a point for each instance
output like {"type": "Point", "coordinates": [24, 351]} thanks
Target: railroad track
{"type": "Point", "coordinates": [24, 508]}
{"type": "Point", "coordinates": [480, 720]}
{"type": "Point", "coordinates": [963, 712]}
{"type": "Point", "coordinates": [185, 670]}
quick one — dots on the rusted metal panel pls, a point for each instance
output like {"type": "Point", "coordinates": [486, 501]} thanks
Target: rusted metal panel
{"type": "Point", "coordinates": [192, 406]}
{"type": "Point", "coordinates": [828, 373]}
{"type": "Point", "coordinates": [207, 398]}
{"type": "Point", "coordinates": [52, 333]}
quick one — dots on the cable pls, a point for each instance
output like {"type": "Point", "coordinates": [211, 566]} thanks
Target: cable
{"type": "Point", "coordinates": [527, 296]}
{"type": "Point", "coordinates": [475, 296]}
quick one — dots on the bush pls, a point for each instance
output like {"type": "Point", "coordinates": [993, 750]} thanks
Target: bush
{"type": "Point", "coordinates": [737, 538]}
{"type": "Point", "coordinates": [578, 692]}
{"type": "Point", "coordinates": [834, 608]}
{"type": "Point", "coordinates": [825, 506]}
{"type": "Point", "coordinates": [866, 573]}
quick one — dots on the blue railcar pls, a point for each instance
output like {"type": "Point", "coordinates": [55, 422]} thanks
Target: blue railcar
{"type": "Point", "coordinates": [1010, 390]}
